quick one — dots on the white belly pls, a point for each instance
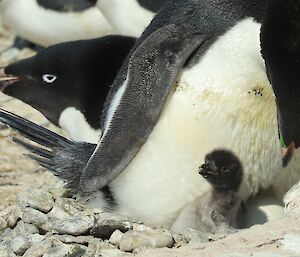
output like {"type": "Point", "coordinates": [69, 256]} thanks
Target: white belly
{"type": "Point", "coordinates": [46, 27]}
{"type": "Point", "coordinates": [78, 129]}
{"type": "Point", "coordinates": [126, 16]}
{"type": "Point", "coordinates": [214, 106]}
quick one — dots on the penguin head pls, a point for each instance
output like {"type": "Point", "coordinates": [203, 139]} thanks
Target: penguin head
{"type": "Point", "coordinates": [222, 169]}
{"type": "Point", "coordinates": [280, 48]}
{"type": "Point", "coordinates": [75, 74]}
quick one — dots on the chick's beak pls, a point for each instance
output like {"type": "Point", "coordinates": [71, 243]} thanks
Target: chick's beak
{"type": "Point", "coordinates": [6, 79]}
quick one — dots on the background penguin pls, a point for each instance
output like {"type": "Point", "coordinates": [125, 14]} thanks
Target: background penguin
{"type": "Point", "coordinates": [68, 83]}
{"type": "Point", "coordinates": [130, 17]}
{"type": "Point", "coordinates": [223, 99]}
{"type": "Point", "coordinates": [52, 22]}
{"type": "Point", "coordinates": [217, 209]}
{"type": "Point", "coordinates": [45, 22]}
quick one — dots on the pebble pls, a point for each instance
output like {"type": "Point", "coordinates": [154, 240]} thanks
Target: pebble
{"type": "Point", "coordinates": [36, 238]}
{"type": "Point", "coordinates": [5, 251]}
{"type": "Point", "coordinates": [116, 237]}
{"type": "Point", "coordinates": [107, 223]}
{"type": "Point", "coordinates": [112, 253]}
{"type": "Point", "coordinates": [3, 224]}
{"type": "Point", "coordinates": [71, 206]}
{"type": "Point", "coordinates": [10, 215]}
{"type": "Point", "coordinates": [75, 225]}
{"type": "Point", "coordinates": [194, 236]}
{"type": "Point", "coordinates": [292, 200]}
{"type": "Point", "coordinates": [63, 250]}
{"type": "Point", "coordinates": [96, 245]}
{"type": "Point", "coordinates": [42, 201]}
{"type": "Point", "coordinates": [82, 240]}
{"type": "Point", "coordinates": [151, 238]}
{"type": "Point", "coordinates": [25, 229]}
{"type": "Point", "coordinates": [20, 244]}
{"type": "Point", "coordinates": [38, 250]}
{"type": "Point", "coordinates": [57, 213]}
{"type": "Point", "coordinates": [33, 216]}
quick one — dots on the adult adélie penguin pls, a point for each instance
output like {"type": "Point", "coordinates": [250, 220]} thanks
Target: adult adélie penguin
{"type": "Point", "coordinates": [69, 82]}
{"type": "Point", "coordinates": [195, 81]}
{"type": "Point", "coordinates": [45, 22]}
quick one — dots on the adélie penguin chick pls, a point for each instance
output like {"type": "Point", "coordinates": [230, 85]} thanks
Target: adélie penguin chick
{"type": "Point", "coordinates": [48, 22]}
{"type": "Point", "coordinates": [216, 210]}
{"type": "Point", "coordinates": [154, 133]}
{"type": "Point", "coordinates": [69, 82]}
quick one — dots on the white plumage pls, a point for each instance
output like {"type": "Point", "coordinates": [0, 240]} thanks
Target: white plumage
{"type": "Point", "coordinates": [224, 101]}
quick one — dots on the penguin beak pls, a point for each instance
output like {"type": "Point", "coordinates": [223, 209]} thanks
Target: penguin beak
{"type": "Point", "coordinates": [289, 131]}
{"type": "Point", "coordinates": [287, 154]}
{"type": "Point", "coordinates": [207, 170]}
{"type": "Point", "coordinates": [6, 79]}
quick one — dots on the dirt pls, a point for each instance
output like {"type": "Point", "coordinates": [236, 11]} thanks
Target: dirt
{"type": "Point", "coordinates": [17, 172]}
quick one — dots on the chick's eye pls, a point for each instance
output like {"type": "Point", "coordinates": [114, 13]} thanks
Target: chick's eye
{"type": "Point", "coordinates": [49, 78]}
{"type": "Point", "coordinates": [224, 169]}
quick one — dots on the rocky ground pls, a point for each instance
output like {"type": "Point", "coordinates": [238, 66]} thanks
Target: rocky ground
{"type": "Point", "coordinates": [37, 218]}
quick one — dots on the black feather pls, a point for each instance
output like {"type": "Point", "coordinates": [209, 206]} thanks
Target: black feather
{"type": "Point", "coordinates": [64, 158]}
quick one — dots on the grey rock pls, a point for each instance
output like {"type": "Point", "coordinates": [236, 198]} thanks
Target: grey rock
{"type": "Point", "coordinates": [38, 250]}
{"type": "Point", "coordinates": [179, 240]}
{"type": "Point", "coordinates": [291, 242]}
{"type": "Point", "coordinates": [5, 251]}
{"type": "Point", "coordinates": [36, 238]}
{"type": "Point", "coordinates": [3, 224]}
{"type": "Point", "coordinates": [10, 55]}
{"type": "Point", "coordinates": [112, 253]}
{"type": "Point", "coordinates": [20, 244]}
{"type": "Point", "coordinates": [292, 200]}
{"type": "Point", "coordinates": [36, 199]}
{"type": "Point", "coordinates": [33, 216]}
{"type": "Point", "coordinates": [82, 240]}
{"type": "Point", "coordinates": [72, 207]}
{"type": "Point", "coordinates": [116, 237]}
{"type": "Point", "coordinates": [151, 238]}
{"type": "Point", "coordinates": [10, 215]}
{"type": "Point", "coordinates": [25, 229]}
{"type": "Point", "coordinates": [22, 227]}
{"type": "Point", "coordinates": [64, 250]}
{"type": "Point", "coordinates": [57, 213]}
{"type": "Point", "coordinates": [7, 234]}
{"type": "Point", "coordinates": [96, 245]}
{"type": "Point", "coordinates": [107, 223]}
{"type": "Point", "coordinates": [194, 236]}
{"type": "Point", "coordinates": [75, 225]}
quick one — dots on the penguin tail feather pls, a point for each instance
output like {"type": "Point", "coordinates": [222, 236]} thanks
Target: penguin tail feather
{"type": "Point", "coordinates": [64, 158]}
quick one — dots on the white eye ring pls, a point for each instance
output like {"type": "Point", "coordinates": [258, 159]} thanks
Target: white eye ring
{"type": "Point", "coordinates": [49, 78]}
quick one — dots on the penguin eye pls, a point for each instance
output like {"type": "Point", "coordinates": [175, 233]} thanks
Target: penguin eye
{"type": "Point", "coordinates": [49, 78]}
{"type": "Point", "coordinates": [225, 169]}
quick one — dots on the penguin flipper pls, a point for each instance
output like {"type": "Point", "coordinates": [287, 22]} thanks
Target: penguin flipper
{"type": "Point", "coordinates": [64, 158]}
{"type": "Point", "coordinates": [152, 71]}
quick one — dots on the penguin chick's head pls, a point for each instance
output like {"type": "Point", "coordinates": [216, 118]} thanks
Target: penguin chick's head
{"type": "Point", "coordinates": [280, 48]}
{"type": "Point", "coordinates": [73, 74]}
{"type": "Point", "coordinates": [222, 169]}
